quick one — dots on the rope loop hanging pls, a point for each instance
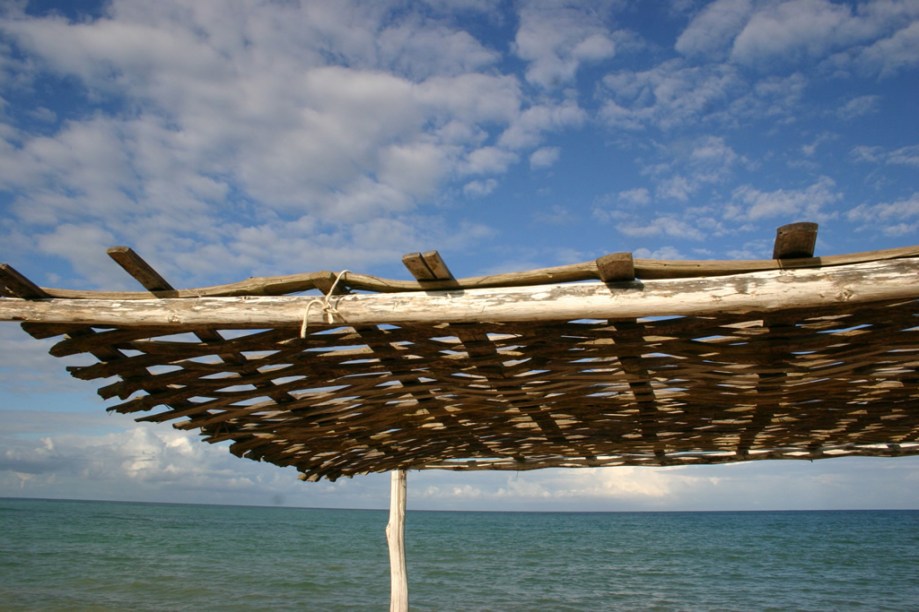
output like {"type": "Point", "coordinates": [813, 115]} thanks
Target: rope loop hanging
{"type": "Point", "coordinates": [325, 304]}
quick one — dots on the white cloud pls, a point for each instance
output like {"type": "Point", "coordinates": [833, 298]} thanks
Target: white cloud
{"type": "Point", "coordinates": [665, 252]}
{"type": "Point", "coordinates": [811, 148]}
{"type": "Point", "coordinates": [676, 188]}
{"type": "Point", "coordinates": [27, 371]}
{"type": "Point", "coordinates": [792, 29]}
{"type": "Point", "coordinates": [479, 188]}
{"type": "Point", "coordinates": [638, 196]}
{"type": "Point", "coordinates": [898, 218]}
{"type": "Point", "coordinates": [665, 225]}
{"type": "Point", "coordinates": [79, 244]}
{"type": "Point", "coordinates": [544, 157]}
{"type": "Point", "coordinates": [902, 156]}
{"type": "Point", "coordinates": [104, 456]}
{"type": "Point", "coordinates": [264, 115]}
{"type": "Point", "coordinates": [714, 28]}
{"type": "Point", "coordinates": [421, 49]}
{"type": "Point", "coordinates": [668, 95]}
{"type": "Point", "coordinates": [811, 203]}
{"type": "Point", "coordinates": [488, 160]}
{"type": "Point", "coordinates": [880, 38]}
{"type": "Point", "coordinates": [557, 37]}
{"type": "Point", "coordinates": [689, 166]}
{"type": "Point", "coordinates": [556, 215]}
{"type": "Point", "coordinates": [528, 128]}
{"type": "Point", "coordinates": [858, 107]}
{"type": "Point", "coordinates": [891, 55]}
{"type": "Point", "coordinates": [905, 156]}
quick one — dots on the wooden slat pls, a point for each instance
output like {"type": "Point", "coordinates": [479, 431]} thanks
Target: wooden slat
{"type": "Point", "coordinates": [152, 281]}
{"type": "Point", "coordinates": [795, 241]}
{"type": "Point", "coordinates": [796, 362]}
{"type": "Point", "coordinates": [18, 285]}
{"type": "Point", "coordinates": [138, 268]}
{"type": "Point", "coordinates": [812, 384]}
{"type": "Point", "coordinates": [427, 267]}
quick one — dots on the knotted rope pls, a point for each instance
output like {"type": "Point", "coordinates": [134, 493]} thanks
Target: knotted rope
{"type": "Point", "coordinates": [325, 304]}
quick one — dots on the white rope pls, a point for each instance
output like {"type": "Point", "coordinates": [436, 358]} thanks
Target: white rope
{"type": "Point", "coordinates": [325, 303]}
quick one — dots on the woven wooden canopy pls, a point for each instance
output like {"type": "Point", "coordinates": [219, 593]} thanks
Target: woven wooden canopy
{"type": "Point", "coordinates": [613, 362]}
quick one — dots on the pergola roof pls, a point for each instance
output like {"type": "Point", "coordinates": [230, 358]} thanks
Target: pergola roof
{"type": "Point", "coordinates": [611, 362]}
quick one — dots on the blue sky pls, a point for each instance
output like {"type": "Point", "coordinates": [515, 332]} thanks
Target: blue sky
{"type": "Point", "coordinates": [226, 140]}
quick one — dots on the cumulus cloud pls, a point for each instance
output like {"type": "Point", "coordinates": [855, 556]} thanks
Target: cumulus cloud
{"type": "Point", "coordinates": [897, 218]}
{"type": "Point", "coordinates": [479, 188]}
{"type": "Point", "coordinates": [812, 202]}
{"type": "Point", "coordinates": [88, 456]}
{"type": "Point", "coordinates": [544, 157]}
{"type": "Point", "coordinates": [891, 55]}
{"type": "Point", "coordinates": [858, 107]}
{"type": "Point", "coordinates": [902, 156]}
{"type": "Point", "coordinates": [791, 29]}
{"type": "Point", "coordinates": [877, 38]}
{"type": "Point", "coordinates": [667, 95]}
{"type": "Point", "coordinates": [638, 196]}
{"type": "Point", "coordinates": [687, 167]}
{"type": "Point", "coordinates": [270, 115]}
{"type": "Point", "coordinates": [529, 127]}
{"type": "Point", "coordinates": [666, 225]}
{"type": "Point", "coordinates": [713, 30]}
{"type": "Point", "coordinates": [555, 38]}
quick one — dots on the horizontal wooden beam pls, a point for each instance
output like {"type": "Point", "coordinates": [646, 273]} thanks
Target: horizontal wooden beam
{"type": "Point", "coordinates": [758, 292]}
{"type": "Point", "coordinates": [645, 269]}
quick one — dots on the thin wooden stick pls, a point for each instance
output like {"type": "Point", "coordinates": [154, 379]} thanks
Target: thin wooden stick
{"type": "Point", "coordinates": [395, 536]}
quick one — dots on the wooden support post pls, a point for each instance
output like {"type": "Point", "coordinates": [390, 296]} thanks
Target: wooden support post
{"type": "Point", "coordinates": [395, 536]}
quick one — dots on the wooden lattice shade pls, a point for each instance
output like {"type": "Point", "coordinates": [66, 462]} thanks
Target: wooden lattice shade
{"type": "Point", "coordinates": [690, 362]}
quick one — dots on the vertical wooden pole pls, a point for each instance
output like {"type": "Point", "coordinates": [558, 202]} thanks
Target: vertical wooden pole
{"type": "Point", "coordinates": [395, 536]}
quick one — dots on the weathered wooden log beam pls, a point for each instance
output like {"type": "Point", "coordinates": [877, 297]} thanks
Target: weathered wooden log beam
{"type": "Point", "coordinates": [758, 292]}
{"type": "Point", "coordinates": [644, 269]}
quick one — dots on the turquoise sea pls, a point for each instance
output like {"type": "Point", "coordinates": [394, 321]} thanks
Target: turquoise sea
{"type": "Point", "coordinates": [80, 555]}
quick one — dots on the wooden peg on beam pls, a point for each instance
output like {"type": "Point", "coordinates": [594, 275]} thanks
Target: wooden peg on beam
{"type": "Point", "coordinates": [795, 240]}
{"type": "Point", "coordinates": [616, 268]}
{"type": "Point", "coordinates": [18, 285]}
{"type": "Point", "coordinates": [428, 266]}
{"type": "Point", "coordinates": [143, 272]}
{"type": "Point", "coordinates": [327, 285]}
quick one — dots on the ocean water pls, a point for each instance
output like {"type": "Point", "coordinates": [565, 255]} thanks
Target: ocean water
{"type": "Point", "coordinates": [78, 555]}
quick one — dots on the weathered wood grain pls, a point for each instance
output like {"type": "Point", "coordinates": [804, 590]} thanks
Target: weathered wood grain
{"type": "Point", "coordinates": [765, 292]}
{"type": "Point", "coordinates": [797, 361]}
{"type": "Point", "coordinates": [395, 536]}
{"type": "Point", "coordinates": [645, 269]}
